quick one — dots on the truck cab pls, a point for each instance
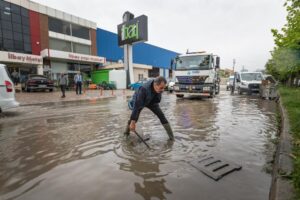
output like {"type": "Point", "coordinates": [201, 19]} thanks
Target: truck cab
{"type": "Point", "coordinates": [196, 74]}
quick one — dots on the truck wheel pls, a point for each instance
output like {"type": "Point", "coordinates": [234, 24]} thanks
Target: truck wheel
{"type": "Point", "coordinates": [218, 90]}
{"type": "Point", "coordinates": [179, 95]}
{"type": "Point", "coordinates": [27, 89]}
{"type": "Point", "coordinates": [213, 94]}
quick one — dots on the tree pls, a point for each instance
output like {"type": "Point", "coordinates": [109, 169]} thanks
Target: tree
{"type": "Point", "coordinates": [285, 62]}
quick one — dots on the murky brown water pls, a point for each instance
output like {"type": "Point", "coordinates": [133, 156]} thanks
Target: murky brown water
{"type": "Point", "coordinates": [77, 151]}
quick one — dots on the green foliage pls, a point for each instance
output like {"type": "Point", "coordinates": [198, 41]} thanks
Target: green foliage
{"type": "Point", "coordinates": [290, 98]}
{"type": "Point", "coordinates": [285, 59]}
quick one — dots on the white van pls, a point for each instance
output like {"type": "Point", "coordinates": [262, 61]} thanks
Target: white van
{"type": "Point", "coordinates": [7, 90]}
{"type": "Point", "coordinates": [249, 82]}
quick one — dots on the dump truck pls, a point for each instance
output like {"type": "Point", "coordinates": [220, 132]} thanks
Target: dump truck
{"type": "Point", "coordinates": [195, 74]}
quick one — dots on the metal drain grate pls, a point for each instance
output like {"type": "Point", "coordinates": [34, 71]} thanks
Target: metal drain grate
{"type": "Point", "coordinates": [214, 167]}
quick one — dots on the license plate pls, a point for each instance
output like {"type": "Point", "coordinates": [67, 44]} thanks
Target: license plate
{"type": "Point", "coordinates": [42, 86]}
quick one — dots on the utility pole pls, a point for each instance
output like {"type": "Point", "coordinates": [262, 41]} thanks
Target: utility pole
{"type": "Point", "coordinates": [128, 64]}
{"type": "Point", "coordinates": [234, 78]}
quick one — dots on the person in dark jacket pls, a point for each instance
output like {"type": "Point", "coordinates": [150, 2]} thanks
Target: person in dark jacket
{"type": "Point", "coordinates": [63, 82]}
{"type": "Point", "coordinates": [149, 96]}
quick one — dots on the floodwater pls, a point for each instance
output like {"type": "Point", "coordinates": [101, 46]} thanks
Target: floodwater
{"type": "Point", "coordinates": [77, 151]}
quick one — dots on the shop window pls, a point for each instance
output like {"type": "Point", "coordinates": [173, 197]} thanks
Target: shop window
{"type": "Point", "coordinates": [26, 30]}
{"type": "Point", "coordinates": [15, 9]}
{"type": "Point", "coordinates": [81, 48]}
{"type": "Point", "coordinates": [17, 28]}
{"type": "Point", "coordinates": [16, 18]}
{"type": "Point", "coordinates": [18, 36]}
{"type": "Point", "coordinates": [24, 12]}
{"type": "Point", "coordinates": [18, 45]}
{"type": "Point", "coordinates": [60, 45]}
{"type": "Point", "coordinates": [25, 21]}
{"type": "Point", "coordinates": [26, 38]}
{"type": "Point", "coordinates": [141, 77]}
{"type": "Point", "coordinates": [4, 5]}
{"type": "Point", "coordinates": [5, 15]}
{"type": "Point", "coordinates": [27, 47]}
{"type": "Point", "coordinates": [8, 45]}
{"type": "Point", "coordinates": [59, 26]}
{"type": "Point", "coordinates": [81, 32]}
{"type": "Point", "coordinates": [6, 25]}
{"type": "Point", "coordinates": [7, 34]}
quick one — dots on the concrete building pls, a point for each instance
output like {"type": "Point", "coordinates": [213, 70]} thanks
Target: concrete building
{"type": "Point", "coordinates": [38, 39]}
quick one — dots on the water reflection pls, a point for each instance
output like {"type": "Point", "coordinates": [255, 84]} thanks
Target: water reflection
{"type": "Point", "coordinates": [86, 139]}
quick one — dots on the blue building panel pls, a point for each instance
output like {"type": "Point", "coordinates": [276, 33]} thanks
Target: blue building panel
{"type": "Point", "coordinates": [143, 53]}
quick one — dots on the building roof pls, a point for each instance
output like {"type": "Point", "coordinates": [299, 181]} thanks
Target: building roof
{"type": "Point", "coordinates": [54, 13]}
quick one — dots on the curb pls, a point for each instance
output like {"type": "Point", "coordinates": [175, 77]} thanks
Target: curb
{"type": "Point", "coordinates": [281, 187]}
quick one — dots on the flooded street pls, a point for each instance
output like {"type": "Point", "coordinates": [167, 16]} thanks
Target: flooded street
{"type": "Point", "coordinates": [77, 150]}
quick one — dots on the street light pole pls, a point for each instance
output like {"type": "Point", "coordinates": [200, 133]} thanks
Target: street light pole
{"type": "Point", "coordinates": [234, 78]}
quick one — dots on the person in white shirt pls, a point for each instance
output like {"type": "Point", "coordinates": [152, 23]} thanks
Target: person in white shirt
{"type": "Point", "coordinates": [78, 82]}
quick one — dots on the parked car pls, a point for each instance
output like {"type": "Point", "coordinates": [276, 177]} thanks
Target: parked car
{"type": "Point", "coordinates": [107, 86]}
{"type": "Point", "coordinates": [7, 91]}
{"type": "Point", "coordinates": [229, 83]}
{"type": "Point", "coordinates": [136, 85]}
{"type": "Point", "coordinates": [249, 82]}
{"type": "Point", "coordinates": [170, 85]}
{"type": "Point", "coordinates": [37, 82]}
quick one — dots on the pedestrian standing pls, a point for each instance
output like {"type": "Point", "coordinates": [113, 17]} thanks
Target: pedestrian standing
{"type": "Point", "coordinates": [15, 77]}
{"type": "Point", "coordinates": [149, 96]}
{"type": "Point", "coordinates": [63, 82]}
{"type": "Point", "coordinates": [78, 82]}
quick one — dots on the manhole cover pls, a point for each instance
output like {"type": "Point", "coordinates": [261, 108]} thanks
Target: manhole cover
{"type": "Point", "coordinates": [214, 167]}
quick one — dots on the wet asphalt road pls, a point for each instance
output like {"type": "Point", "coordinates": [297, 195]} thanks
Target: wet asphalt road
{"type": "Point", "coordinates": [77, 150]}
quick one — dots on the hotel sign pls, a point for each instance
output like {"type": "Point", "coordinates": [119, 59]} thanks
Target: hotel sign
{"type": "Point", "coordinates": [135, 30]}
{"type": "Point", "coordinates": [13, 57]}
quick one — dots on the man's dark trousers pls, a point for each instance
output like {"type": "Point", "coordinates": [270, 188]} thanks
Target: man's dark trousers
{"type": "Point", "coordinates": [78, 87]}
{"type": "Point", "coordinates": [158, 112]}
{"type": "Point", "coordinates": [63, 89]}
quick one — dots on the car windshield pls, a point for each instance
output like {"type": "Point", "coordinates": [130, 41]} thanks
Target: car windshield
{"type": "Point", "coordinates": [251, 77]}
{"type": "Point", "coordinates": [201, 62]}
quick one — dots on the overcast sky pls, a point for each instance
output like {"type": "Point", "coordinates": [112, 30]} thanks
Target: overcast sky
{"type": "Point", "coordinates": [232, 29]}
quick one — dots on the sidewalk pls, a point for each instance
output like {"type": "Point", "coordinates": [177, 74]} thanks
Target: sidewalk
{"type": "Point", "coordinates": [34, 98]}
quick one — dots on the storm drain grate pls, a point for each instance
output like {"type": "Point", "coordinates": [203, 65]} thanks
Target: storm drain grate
{"type": "Point", "coordinates": [214, 167]}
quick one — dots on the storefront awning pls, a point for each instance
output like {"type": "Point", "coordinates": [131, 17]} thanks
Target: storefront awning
{"type": "Point", "coordinates": [69, 56]}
